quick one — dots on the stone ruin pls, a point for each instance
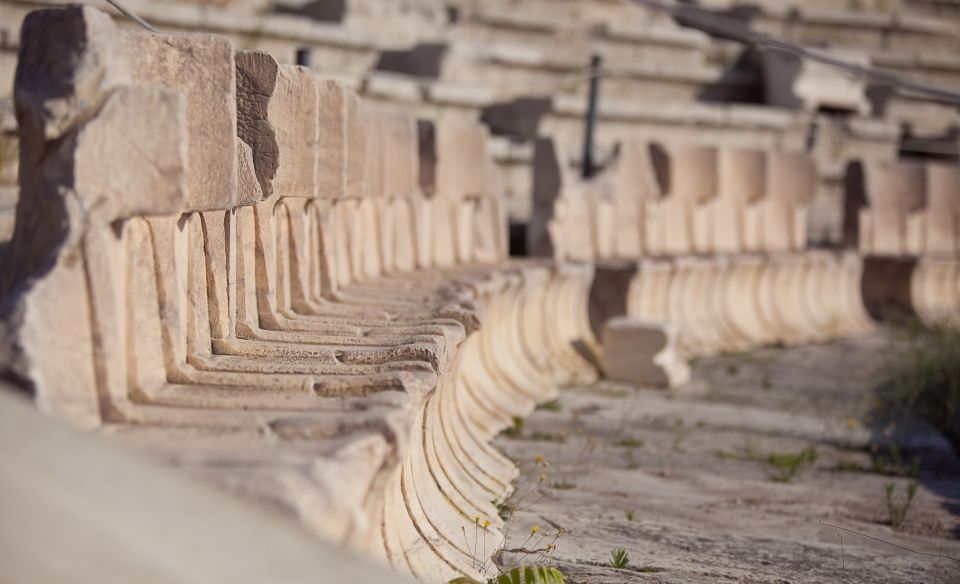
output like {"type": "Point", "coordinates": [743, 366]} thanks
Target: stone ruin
{"type": "Point", "coordinates": [304, 296]}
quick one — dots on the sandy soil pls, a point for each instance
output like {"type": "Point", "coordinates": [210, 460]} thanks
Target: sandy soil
{"type": "Point", "coordinates": [681, 480]}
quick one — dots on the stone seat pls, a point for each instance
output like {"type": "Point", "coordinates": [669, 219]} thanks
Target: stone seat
{"type": "Point", "coordinates": [296, 285]}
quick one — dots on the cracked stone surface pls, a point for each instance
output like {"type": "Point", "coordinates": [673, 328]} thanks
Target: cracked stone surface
{"type": "Point", "coordinates": [673, 479]}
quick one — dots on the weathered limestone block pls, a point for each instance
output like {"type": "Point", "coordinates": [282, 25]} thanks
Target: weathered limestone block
{"type": "Point", "coordinates": [333, 150]}
{"type": "Point", "coordinates": [642, 351]}
{"type": "Point", "coordinates": [66, 195]}
{"type": "Point", "coordinates": [69, 60]}
{"type": "Point", "coordinates": [401, 161]}
{"type": "Point", "coordinates": [293, 111]}
{"type": "Point", "coordinates": [256, 83]}
{"type": "Point", "coordinates": [202, 67]}
{"type": "Point", "coordinates": [356, 144]}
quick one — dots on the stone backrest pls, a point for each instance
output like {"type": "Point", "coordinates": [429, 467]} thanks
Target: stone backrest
{"type": "Point", "coordinates": [741, 183]}
{"type": "Point", "coordinates": [892, 191]}
{"type": "Point", "coordinates": [778, 221]}
{"type": "Point", "coordinates": [677, 200]}
{"type": "Point", "coordinates": [243, 199]}
{"type": "Point", "coordinates": [688, 179]}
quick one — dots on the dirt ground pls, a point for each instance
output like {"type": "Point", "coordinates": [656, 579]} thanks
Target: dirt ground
{"type": "Point", "coordinates": [735, 477]}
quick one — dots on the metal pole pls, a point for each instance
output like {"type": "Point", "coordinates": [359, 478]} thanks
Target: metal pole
{"type": "Point", "coordinates": [588, 166]}
{"type": "Point", "coordinates": [303, 57]}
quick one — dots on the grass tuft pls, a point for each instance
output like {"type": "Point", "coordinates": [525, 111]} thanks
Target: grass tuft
{"type": "Point", "coordinates": [898, 507]}
{"type": "Point", "coordinates": [619, 558]}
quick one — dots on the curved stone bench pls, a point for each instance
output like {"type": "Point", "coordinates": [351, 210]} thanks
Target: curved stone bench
{"type": "Point", "coordinates": [720, 236]}
{"type": "Point", "coordinates": [250, 273]}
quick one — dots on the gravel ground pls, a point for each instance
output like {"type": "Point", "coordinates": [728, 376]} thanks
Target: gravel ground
{"type": "Point", "coordinates": [683, 480]}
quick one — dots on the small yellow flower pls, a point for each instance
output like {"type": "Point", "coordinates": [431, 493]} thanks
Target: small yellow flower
{"type": "Point", "coordinates": [550, 546]}
{"type": "Point", "coordinates": [539, 459]}
{"type": "Point", "coordinates": [486, 523]}
{"type": "Point", "coordinates": [476, 519]}
{"type": "Point", "coordinates": [543, 477]}
{"type": "Point", "coordinates": [534, 529]}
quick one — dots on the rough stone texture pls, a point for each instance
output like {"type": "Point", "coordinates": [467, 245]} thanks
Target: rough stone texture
{"type": "Point", "coordinates": [675, 479]}
{"type": "Point", "coordinates": [294, 114]}
{"type": "Point", "coordinates": [333, 151]}
{"type": "Point", "coordinates": [202, 68]}
{"type": "Point", "coordinates": [256, 82]}
{"type": "Point", "coordinates": [74, 59]}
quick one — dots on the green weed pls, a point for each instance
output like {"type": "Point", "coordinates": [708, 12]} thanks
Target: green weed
{"type": "Point", "coordinates": [619, 558]}
{"type": "Point", "coordinates": [630, 443]}
{"type": "Point", "coordinates": [520, 575]}
{"type": "Point", "coordinates": [897, 507]}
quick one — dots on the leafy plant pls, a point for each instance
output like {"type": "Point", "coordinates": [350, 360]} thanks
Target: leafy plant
{"type": "Point", "coordinates": [926, 379]}
{"type": "Point", "coordinates": [897, 507]}
{"type": "Point", "coordinates": [782, 468]}
{"type": "Point", "coordinates": [630, 515]}
{"type": "Point", "coordinates": [547, 437]}
{"type": "Point", "coordinates": [519, 575]}
{"type": "Point", "coordinates": [619, 558]}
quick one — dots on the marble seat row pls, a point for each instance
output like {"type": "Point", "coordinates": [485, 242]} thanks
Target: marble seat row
{"type": "Point", "coordinates": [720, 238]}
{"type": "Point", "coordinates": [656, 200]}
{"type": "Point", "coordinates": [251, 273]}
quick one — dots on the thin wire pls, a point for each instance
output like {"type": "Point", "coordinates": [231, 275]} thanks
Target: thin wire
{"type": "Point", "coordinates": [132, 15]}
{"type": "Point", "coordinates": [713, 23]}
{"type": "Point", "coordinates": [890, 543]}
